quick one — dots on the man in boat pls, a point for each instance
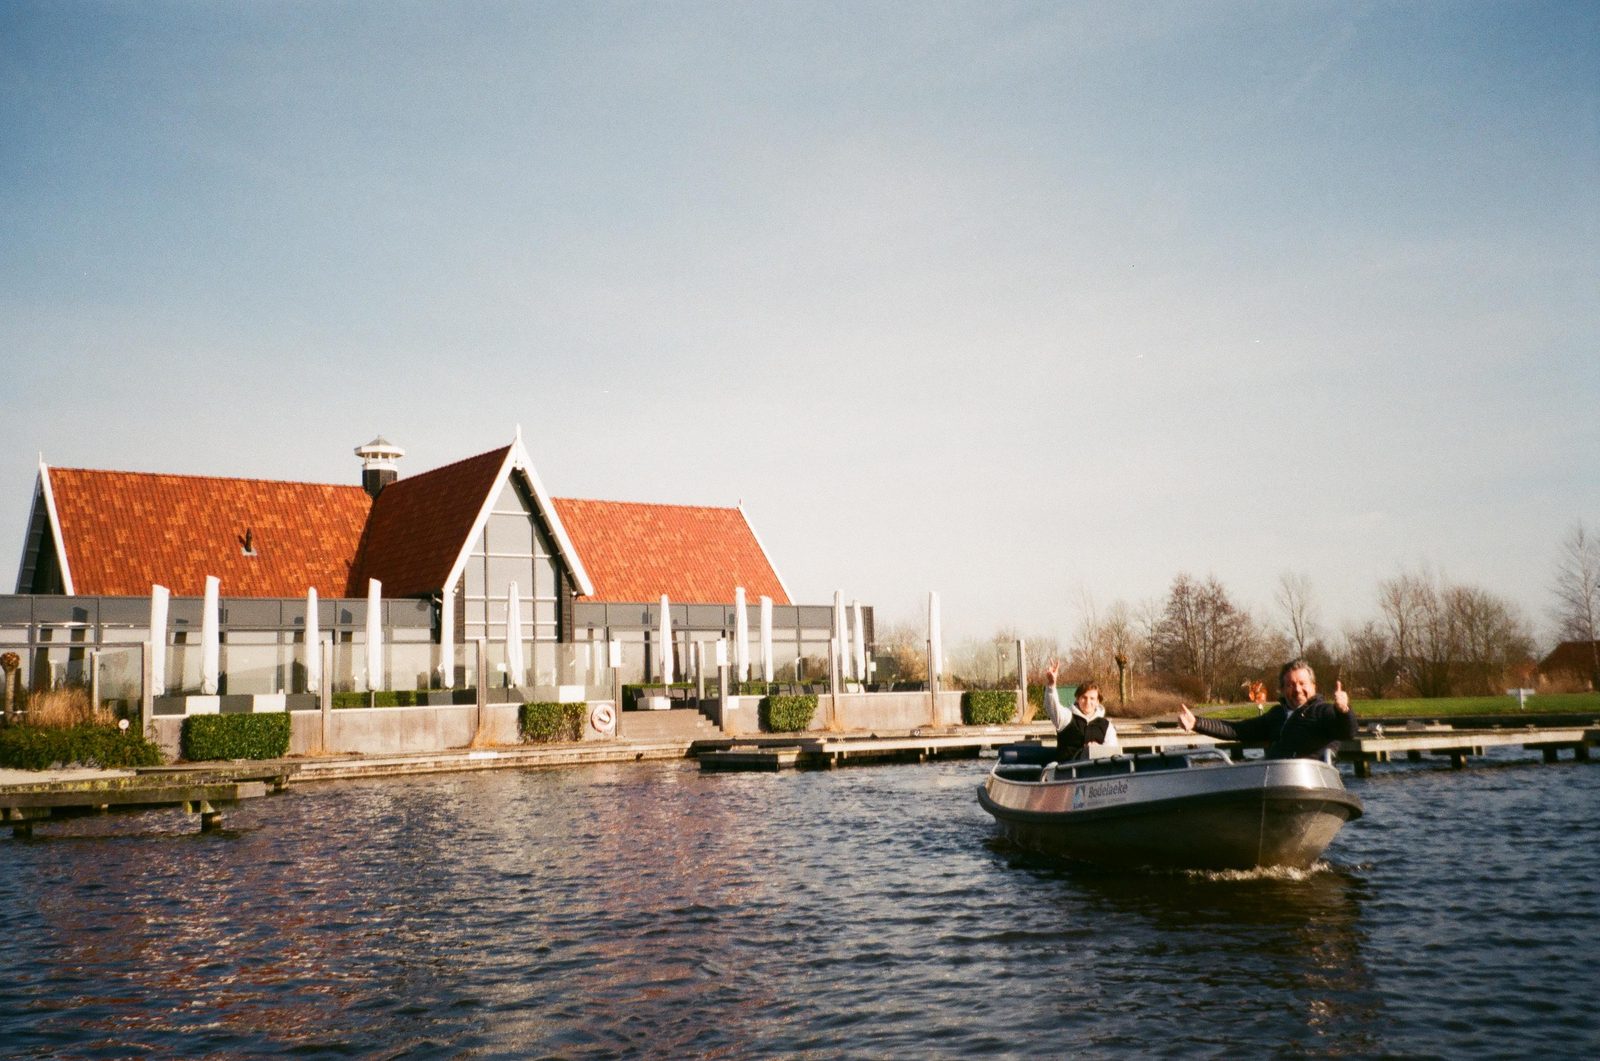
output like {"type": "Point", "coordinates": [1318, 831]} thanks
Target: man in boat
{"type": "Point", "coordinates": [1302, 726]}
{"type": "Point", "coordinates": [1084, 731]}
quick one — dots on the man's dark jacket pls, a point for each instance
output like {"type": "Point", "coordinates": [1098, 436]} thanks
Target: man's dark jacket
{"type": "Point", "coordinates": [1299, 734]}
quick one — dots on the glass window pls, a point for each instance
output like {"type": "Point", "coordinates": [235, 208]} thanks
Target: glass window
{"type": "Point", "coordinates": [511, 499]}
{"type": "Point", "coordinates": [509, 534]}
{"type": "Point", "coordinates": [544, 579]}
{"type": "Point", "coordinates": [505, 570]}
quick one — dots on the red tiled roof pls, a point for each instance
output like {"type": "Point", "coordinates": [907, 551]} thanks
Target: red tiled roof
{"type": "Point", "coordinates": [419, 525]}
{"type": "Point", "coordinates": [124, 531]}
{"type": "Point", "coordinates": [637, 552]}
{"type": "Point", "coordinates": [1570, 657]}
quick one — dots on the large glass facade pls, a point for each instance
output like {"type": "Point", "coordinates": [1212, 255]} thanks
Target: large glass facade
{"type": "Point", "coordinates": [513, 549]}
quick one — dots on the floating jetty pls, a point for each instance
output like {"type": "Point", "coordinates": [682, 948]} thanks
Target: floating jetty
{"type": "Point", "coordinates": [1411, 742]}
{"type": "Point", "coordinates": [203, 790]}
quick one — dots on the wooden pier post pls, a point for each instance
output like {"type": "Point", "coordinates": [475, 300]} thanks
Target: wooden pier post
{"type": "Point", "coordinates": [147, 693]}
{"type": "Point", "coordinates": [483, 686]}
{"type": "Point", "coordinates": [1022, 681]}
{"type": "Point", "coordinates": [325, 694]}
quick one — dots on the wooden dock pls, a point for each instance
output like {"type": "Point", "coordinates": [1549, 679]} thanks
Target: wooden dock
{"type": "Point", "coordinates": [1458, 744]}
{"type": "Point", "coordinates": [203, 790]}
{"type": "Point", "coordinates": [1411, 743]}
{"type": "Point", "coordinates": [819, 752]}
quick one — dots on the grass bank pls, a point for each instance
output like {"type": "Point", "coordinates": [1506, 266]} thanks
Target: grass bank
{"type": "Point", "coordinates": [1446, 706]}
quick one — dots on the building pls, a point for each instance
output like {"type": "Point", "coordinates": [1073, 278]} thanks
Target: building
{"type": "Point", "coordinates": [1573, 661]}
{"type": "Point", "coordinates": [448, 547]}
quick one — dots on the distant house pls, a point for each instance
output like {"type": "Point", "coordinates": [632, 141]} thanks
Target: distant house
{"type": "Point", "coordinates": [1573, 661]}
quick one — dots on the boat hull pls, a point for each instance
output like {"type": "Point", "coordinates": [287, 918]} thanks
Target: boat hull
{"type": "Point", "coordinates": [1260, 813]}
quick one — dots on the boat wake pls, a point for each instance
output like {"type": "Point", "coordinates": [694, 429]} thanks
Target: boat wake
{"type": "Point", "coordinates": [1260, 873]}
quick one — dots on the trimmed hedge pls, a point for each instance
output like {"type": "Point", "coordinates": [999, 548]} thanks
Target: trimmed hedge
{"type": "Point", "coordinates": [41, 748]}
{"type": "Point", "coordinates": [543, 722]}
{"type": "Point", "coordinates": [380, 698]}
{"type": "Point", "coordinates": [988, 707]}
{"type": "Point", "coordinates": [787, 714]}
{"type": "Point", "coordinates": [263, 736]}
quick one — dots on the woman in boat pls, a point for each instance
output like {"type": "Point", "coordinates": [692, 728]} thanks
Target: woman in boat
{"type": "Point", "coordinates": [1084, 731]}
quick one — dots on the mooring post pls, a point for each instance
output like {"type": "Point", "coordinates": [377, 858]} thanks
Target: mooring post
{"type": "Point", "coordinates": [1022, 681]}
{"type": "Point", "coordinates": [325, 693]}
{"type": "Point", "coordinates": [482, 650]}
{"type": "Point", "coordinates": [8, 666]}
{"type": "Point", "coordinates": [147, 695]}
{"type": "Point", "coordinates": [833, 682]}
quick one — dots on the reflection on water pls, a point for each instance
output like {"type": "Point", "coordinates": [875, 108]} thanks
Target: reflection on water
{"type": "Point", "coordinates": [649, 910]}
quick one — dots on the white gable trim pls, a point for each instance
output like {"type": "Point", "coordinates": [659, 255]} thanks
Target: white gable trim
{"type": "Point", "coordinates": [56, 541]}
{"type": "Point", "coordinates": [763, 547]}
{"type": "Point", "coordinates": [569, 552]}
{"type": "Point", "coordinates": [517, 460]}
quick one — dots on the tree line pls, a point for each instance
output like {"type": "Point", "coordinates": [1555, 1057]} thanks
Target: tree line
{"type": "Point", "coordinates": [1430, 637]}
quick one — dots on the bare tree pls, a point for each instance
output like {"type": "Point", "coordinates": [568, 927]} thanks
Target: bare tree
{"type": "Point", "coordinates": [1369, 658]}
{"type": "Point", "coordinates": [1493, 642]}
{"type": "Point", "coordinates": [1401, 599]}
{"type": "Point", "coordinates": [904, 648]}
{"type": "Point", "coordinates": [1101, 637]}
{"type": "Point", "coordinates": [1455, 638]}
{"type": "Point", "coordinates": [1204, 639]}
{"type": "Point", "coordinates": [1577, 592]}
{"type": "Point", "coordinates": [1299, 609]}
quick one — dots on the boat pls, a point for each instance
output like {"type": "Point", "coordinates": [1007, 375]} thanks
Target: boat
{"type": "Point", "coordinates": [1171, 808]}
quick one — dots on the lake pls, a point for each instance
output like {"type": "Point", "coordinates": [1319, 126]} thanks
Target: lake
{"type": "Point", "coordinates": [645, 909]}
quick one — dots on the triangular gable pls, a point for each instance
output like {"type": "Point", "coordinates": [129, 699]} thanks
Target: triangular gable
{"type": "Point", "coordinates": [424, 528]}
{"type": "Point", "coordinates": [693, 554]}
{"type": "Point", "coordinates": [121, 532]}
{"type": "Point", "coordinates": [418, 526]}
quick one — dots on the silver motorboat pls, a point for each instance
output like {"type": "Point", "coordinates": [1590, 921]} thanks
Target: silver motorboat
{"type": "Point", "coordinates": [1181, 808]}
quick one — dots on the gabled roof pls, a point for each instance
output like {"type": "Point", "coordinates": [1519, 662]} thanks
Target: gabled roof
{"type": "Point", "coordinates": [419, 525]}
{"type": "Point", "coordinates": [125, 531]}
{"type": "Point", "coordinates": [1573, 657]}
{"type": "Point", "coordinates": [693, 554]}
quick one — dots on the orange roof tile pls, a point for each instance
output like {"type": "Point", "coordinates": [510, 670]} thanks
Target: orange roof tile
{"type": "Point", "coordinates": [124, 531]}
{"type": "Point", "coordinates": [637, 552]}
{"type": "Point", "coordinates": [419, 525]}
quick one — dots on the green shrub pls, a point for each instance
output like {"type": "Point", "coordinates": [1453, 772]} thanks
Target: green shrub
{"type": "Point", "coordinates": [40, 748]}
{"type": "Point", "coordinates": [988, 707]}
{"type": "Point", "coordinates": [379, 698]}
{"type": "Point", "coordinates": [543, 722]}
{"type": "Point", "coordinates": [263, 736]}
{"type": "Point", "coordinates": [787, 714]}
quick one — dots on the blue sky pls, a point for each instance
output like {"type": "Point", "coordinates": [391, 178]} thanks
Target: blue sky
{"type": "Point", "coordinates": [1032, 304]}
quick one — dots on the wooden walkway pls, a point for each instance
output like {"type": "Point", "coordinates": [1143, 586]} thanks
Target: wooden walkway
{"type": "Point", "coordinates": [203, 790]}
{"type": "Point", "coordinates": [1458, 744]}
{"type": "Point", "coordinates": [1410, 743]}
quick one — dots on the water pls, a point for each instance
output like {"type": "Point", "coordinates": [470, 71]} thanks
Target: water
{"type": "Point", "coordinates": [649, 910]}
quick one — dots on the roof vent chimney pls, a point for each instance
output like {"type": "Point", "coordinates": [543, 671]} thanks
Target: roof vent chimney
{"type": "Point", "coordinates": [377, 464]}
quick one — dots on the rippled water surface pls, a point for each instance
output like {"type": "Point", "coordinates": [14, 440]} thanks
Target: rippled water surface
{"type": "Point", "coordinates": [646, 909]}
